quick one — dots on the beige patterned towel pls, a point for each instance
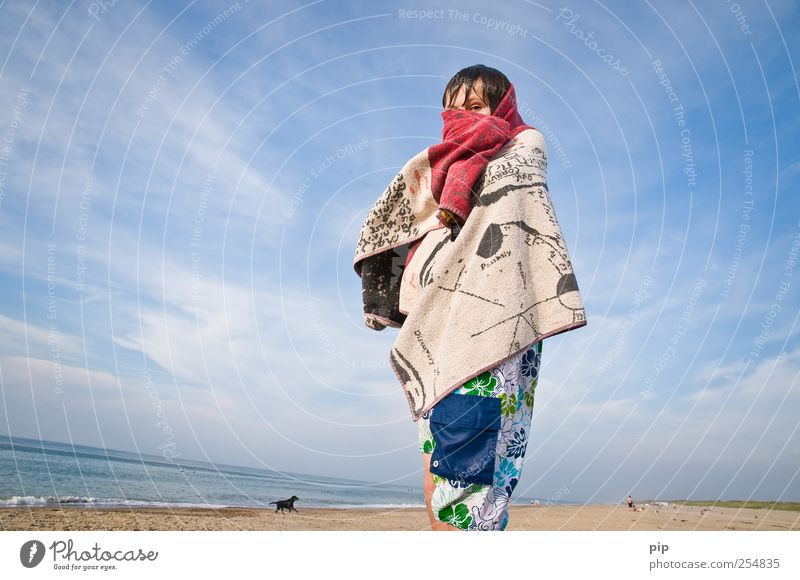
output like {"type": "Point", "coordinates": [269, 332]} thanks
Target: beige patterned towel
{"type": "Point", "coordinates": [503, 284]}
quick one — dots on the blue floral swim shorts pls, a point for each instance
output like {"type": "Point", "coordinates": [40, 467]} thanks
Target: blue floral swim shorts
{"type": "Point", "coordinates": [477, 436]}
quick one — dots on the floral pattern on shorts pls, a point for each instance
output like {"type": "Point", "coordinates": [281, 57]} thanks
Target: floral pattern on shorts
{"type": "Point", "coordinates": [483, 506]}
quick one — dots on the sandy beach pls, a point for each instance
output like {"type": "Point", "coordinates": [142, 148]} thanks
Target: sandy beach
{"type": "Point", "coordinates": [583, 518]}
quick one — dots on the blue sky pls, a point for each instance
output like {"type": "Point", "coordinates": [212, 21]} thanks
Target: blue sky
{"type": "Point", "coordinates": [182, 187]}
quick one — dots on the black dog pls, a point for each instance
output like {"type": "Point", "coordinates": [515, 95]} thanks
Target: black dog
{"type": "Point", "coordinates": [285, 504]}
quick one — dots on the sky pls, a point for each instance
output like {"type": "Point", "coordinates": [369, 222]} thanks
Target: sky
{"type": "Point", "coordinates": [182, 186]}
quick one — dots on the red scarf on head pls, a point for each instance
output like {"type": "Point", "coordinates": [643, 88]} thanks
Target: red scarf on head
{"type": "Point", "coordinates": [469, 140]}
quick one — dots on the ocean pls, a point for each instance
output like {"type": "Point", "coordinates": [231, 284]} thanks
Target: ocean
{"type": "Point", "coordinates": [46, 473]}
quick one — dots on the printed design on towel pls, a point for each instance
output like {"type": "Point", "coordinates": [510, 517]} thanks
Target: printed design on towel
{"type": "Point", "coordinates": [546, 250]}
{"type": "Point", "coordinates": [389, 221]}
{"type": "Point", "coordinates": [425, 272]}
{"type": "Point", "coordinates": [456, 287]}
{"type": "Point", "coordinates": [504, 282]}
{"type": "Point", "coordinates": [410, 379]}
{"type": "Point", "coordinates": [524, 170]}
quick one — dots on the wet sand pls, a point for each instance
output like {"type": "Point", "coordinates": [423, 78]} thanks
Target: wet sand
{"type": "Point", "coordinates": [583, 518]}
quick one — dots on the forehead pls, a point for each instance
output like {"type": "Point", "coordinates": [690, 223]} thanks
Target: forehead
{"type": "Point", "coordinates": [477, 90]}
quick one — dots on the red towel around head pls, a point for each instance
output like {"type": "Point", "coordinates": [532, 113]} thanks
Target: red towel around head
{"type": "Point", "coordinates": [469, 140]}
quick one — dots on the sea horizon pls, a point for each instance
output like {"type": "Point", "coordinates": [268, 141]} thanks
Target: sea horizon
{"type": "Point", "coordinates": [45, 473]}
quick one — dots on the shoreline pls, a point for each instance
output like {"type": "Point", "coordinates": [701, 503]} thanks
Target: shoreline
{"type": "Point", "coordinates": [588, 517]}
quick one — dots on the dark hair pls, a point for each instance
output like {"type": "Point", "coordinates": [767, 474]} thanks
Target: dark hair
{"type": "Point", "coordinates": [495, 85]}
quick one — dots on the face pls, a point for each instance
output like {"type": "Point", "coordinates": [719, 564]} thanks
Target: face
{"type": "Point", "coordinates": [474, 101]}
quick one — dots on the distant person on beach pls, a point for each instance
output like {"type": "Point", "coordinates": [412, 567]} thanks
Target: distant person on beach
{"type": "Point", "coordinates": [630, 501]}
